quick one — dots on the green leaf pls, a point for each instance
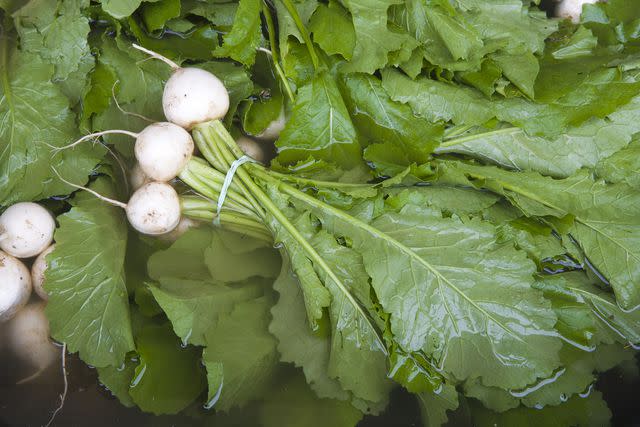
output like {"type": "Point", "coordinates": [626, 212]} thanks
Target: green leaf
{"type": "Point", "coordinates": [88, 306]}
{"type": "Point", "coordinates": [184, 259]}
{"type": "Point", "coordinates": [320, 126]}
{"type": "Point", "coordinates": [99, 93]}
{"type": "Point", "coordinates": [606, 226]}
{"type": "Point", "coordinates": [194, 307]}
{"type": "Point", "coordinates": [437, 101]}
{"type": "Point", "coordinates": [374, 41]}
{"type": "Point", "coordinates": [333, 30]}
{"type": "Point", "coordinates": [591, 411]}
{"type": "Point", "coordinates": [168, 377]}
{"type": "Point", "coordinates": [242, 42]}
{"type": "Point", "coordinates": [120, 8]}
{"type": "Point", "coordinates": [412, 257]}
{"type": "Point", "coordinates": [434, 406]}
{"type": "Point", "coordinates": [243, 353]}
{"type": "Point", "coordinates": [117, 379]}
{"type": "Point", "coordinates": [35, 116]}
{"type": "Point", "coordinates": [382, 121]}
{"type": "Point", "coordinates": [55, 32]}
{"type": "Point", "coordinates": [521, 70]}
{"type": "Point", "coordinates": [155, 15]}
{"type": "Point", "coordinates": [580, 147]}
{"type": "Point", "coordinates": [297, 344]}
{"type": "Point", "coordinates": [622, 166]}
{"type": "Point", "coordinates": [293, 404]}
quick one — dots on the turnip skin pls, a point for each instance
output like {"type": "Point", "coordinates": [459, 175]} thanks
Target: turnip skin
{"type": "Point", "coordinates": [252, 148]}
{"type": "Point", "coordinates": [26, 229]}
{"type": "Point", "coordinates": [154, 209]}
{"type": "Point", "coordinates": [15, 286]}
{"type": "Point", "coordinates": [163, 149]}
{"type": "Point", "coordinates": [193, 96]}
{"type": "Point", "coordinates": [137, 178]}
{"type": "Point", "coordinates": [272, 131]}
{"type": "Point", "coordinates": [28, 337]}
{"type": "Point", "coordinates": [572, 9]}
{"type": "Point", "coordinates": [37, 273]}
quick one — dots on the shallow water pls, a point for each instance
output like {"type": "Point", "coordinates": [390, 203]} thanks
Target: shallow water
{"type": "Point", "coordinates": [89, 404]}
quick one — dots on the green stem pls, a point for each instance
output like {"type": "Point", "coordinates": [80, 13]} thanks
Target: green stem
{"type": "Point", "coordinates": [253, 231]}
{"type": "Point", "coordinates": [345, 186]}
{"type": "Point", "coordinates": [303, 32]}
{"type": "Point", "coordinates": [211, 189]}
{"type": "Point", "coordinates": [313, 255]}
{"type": "Point", "coordinates": [475, 136]}
{"type": "Point", "coordinates": [274, 51]}
{"type": "Point", "coordinates": [190, 203]}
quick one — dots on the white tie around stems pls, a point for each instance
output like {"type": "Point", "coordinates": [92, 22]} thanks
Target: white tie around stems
{"type": "Point", "coordinates": [227, 183]}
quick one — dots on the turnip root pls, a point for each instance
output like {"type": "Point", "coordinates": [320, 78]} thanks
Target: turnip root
{"type": "Point", "coordinates": [253, 148]}
{"type": "Point", "coordinates": [572, 9]}
{"type": "Point", "coordinates": [154, 209]}
{"type": "Point", "coordinates": [37, 273]}
{"type": "Point", "coordinates": [28, 337]}
{"type": "Point", "coordinates": [15, 286]}
{"type": "Point", "coordinates": [191, 95]}
{"type": "Point", "coordinates": [26, 229]}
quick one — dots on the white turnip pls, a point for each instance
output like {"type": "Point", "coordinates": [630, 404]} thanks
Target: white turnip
{"type": "Point", "coordinates": [15, 286]}
{"type": "Point", "coordinates": [162, 149]}
{"type": "Point", "coordinates": [191, 95]}
{"type": "Point", "coordinates": [272, 131]}
{"type": "Point", "coordinates": [572, 9]}
{"type": "Point", "coordinates": [137, 177]}
{"type": "Point", "coordinates": [28, 337]}
{"type": "Point", "coordinates": [37, 273]}
{"type": "Point", "coordinates": [154, 209]}
{"type": "Point", "coordinates": [252, 148]}
{"type": "Point", "coordinates": [26, 229]}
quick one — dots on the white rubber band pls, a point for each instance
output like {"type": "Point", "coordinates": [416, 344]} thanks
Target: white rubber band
{"type": "Point", "coordinates": [227, 183]}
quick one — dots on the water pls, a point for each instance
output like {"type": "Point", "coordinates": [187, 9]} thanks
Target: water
{"type": "Point", "coordinates": [89, 404]}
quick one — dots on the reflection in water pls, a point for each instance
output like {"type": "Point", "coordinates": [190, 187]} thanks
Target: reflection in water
{"type": "Point", "coordinates": [89, 404]}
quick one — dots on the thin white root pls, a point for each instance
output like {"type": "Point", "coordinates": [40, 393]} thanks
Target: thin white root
{"type": "Point", "coordinates": [30, 377]}
{"type": "Point", "coordinates": [95, 135]}
{"type": "Point", "coordinates": [95, 193]}
{"type": "Point", "coordinates": [121, 165]}
{"type": "Point", "coordinates": [156, 55]}
{"type": "Point", "coordinates": [63, 396]}
{"type": "Point", "coordinates": [265, 50]}
{"type": "Point", "coordinates": [122, 110]}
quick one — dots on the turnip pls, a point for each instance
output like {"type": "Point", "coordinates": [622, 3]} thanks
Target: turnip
{"type": "Point", "coordinates": [28, 337]}
{"type": "Point", "coordinates": [191, 95]}
{"type": "Point", "coordinates": [26, 229]}
{"type": "Point", "coordinates": [272, 131]}
{"type": "Point", "coordinates": [253, 149]}
{"type": "Point", "coordinates": [37, 273]}
{"type": "Point", "coordinates": [572, 9]}
{"type": "Point", "coordinates": [153, 209]}
{"type": "Point", "coordinates": [137, 177]}
{"type": "Point", "coordinates": [15, 286]}
{"type": "Point", "coordinates": [162, 149]}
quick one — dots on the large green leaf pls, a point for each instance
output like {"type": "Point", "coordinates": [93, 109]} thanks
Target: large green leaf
{"type": "Point", "coordinates": [580, 147]}
{"type": "Point", "coordinates": [320, 126]}
{"type": "Point", "coordinates": [333, 30]}
{"type": "Point", "coordinates": [378, 119]}
{"type": "Point", "coordinates": [168, 377]}
{"type": "Point", "coordinates": [88, 306]}
{"type": "Point", "coordinates": [293, 404]}
{"type": "Point", "coordinates": [374, 40]}
{"type": "Point", "coordinates": [437, 277]}
{"type": "Point", "coordinates": [242, 42]}
{"type": "Point", "coordinates": [34, 117]}
{"type": "Point", "coordinates": [241, 355]}
{"type": "Point", "coordinates": [606, 225]}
